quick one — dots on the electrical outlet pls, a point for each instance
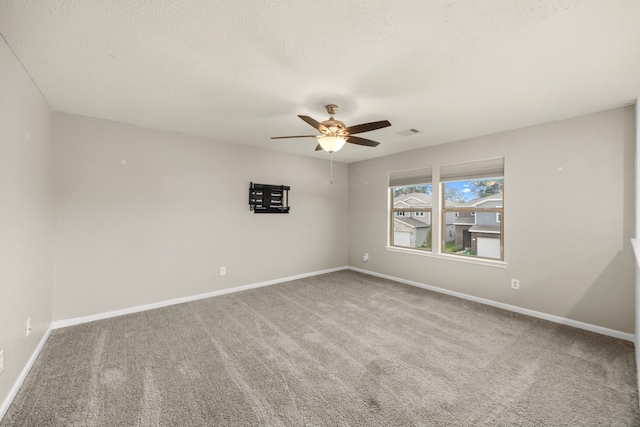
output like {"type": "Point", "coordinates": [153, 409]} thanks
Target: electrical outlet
{"type": "Point", "coordinates": [1, 361]}
{"type": "Point", "coordinates": [515, 284]}
{"type": "Point", "coordinates": [365, 258]}
{"type": "Point", "coordinates": [28, 326]}
{"type": "Point", "coordinates": [223, 271]}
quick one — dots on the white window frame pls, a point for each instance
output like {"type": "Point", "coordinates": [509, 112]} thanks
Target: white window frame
{"type": "Point", "coordinates": [402, 212]}
{"type": "Point", "coordinates": [407, 178]}
{"type": "Point", "coordinates": [472, 210]}
{"type": "Point", "coordinates": [438, 216]}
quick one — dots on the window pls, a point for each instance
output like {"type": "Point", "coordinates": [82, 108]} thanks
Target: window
{"type": "Point", "coordinates": [410, 209]}
{"type": "Point", "coordinates": [472, 205]}
{"type": "Point", "coordinates": [466, 219]}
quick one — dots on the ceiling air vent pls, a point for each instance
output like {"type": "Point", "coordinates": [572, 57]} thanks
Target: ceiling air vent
{"type": "Point", "coordinates": [408, 132]}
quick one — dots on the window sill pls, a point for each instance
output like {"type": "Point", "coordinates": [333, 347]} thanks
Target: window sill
{"type": "Point", "coordinates": [457, 258]}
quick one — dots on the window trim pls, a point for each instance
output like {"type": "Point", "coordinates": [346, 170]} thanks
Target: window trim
{"type": "Point", "coordinates": [480, 169]}
{"type": "Point", "coordinates": [392, 216]}
{"type": "Point", "coordinates": [489, 262]}
{"type": "Point", "coordinates": [444, 209]}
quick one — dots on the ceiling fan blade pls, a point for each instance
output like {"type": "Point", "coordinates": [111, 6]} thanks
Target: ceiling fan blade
{"type": "Point", "coordinates": [316, 124]}
{"type": "Point", "coordinates": [318, 147]}
{"type": "Point", "coordinates": [362, 141]}
{"type": "Point", "coordinates": [295, 136]}
{"type": "Point", "coordinates": [366, 127]}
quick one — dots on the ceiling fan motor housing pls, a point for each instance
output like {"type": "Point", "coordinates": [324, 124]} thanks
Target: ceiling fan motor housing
{"type": "Point", "coordinates": [334, 127]}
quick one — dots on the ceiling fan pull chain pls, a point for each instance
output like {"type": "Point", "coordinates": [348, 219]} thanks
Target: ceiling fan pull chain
{"type": "Point", "coordinates": [331, 169]}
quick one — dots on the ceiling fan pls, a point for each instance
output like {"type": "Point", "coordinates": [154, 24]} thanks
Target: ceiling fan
{"type": "Point", "coordinates": [334, 134]}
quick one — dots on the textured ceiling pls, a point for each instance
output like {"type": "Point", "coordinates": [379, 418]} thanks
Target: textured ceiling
{"type": "Point", "coordinates": [240, 72]}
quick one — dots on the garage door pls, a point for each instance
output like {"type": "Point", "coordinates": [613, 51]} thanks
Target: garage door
{"type": "Point", "coordinates": [402, 238]}
{"type": "Point", "coordinates": [488, 248]}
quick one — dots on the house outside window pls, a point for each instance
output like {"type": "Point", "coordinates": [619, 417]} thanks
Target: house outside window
{"type": "Point", "coordinates": [472, 205]}
{"type": "Point", "coordinates": [468, 214]}
{"type": "Point", "coordinates": [410, 209]}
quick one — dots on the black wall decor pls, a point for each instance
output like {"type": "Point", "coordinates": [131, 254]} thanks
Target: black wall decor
{"type": "Point", "coordinates": [264, 198]}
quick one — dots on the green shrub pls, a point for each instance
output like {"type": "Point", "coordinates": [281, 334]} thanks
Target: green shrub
{"type": "Point", "coordinates": [451, 247]}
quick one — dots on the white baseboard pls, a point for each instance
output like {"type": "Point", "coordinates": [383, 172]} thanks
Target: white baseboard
{"type": "Point", "coordinates": [537, 314]}
{"type": "Point", "coordinates": [23, 375]}
{"type": "Point", "coordinates": [84, 319]}
{"type": "Point", "coordinates": [556, 319]}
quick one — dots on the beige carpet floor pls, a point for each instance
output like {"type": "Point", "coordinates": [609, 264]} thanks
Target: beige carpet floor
{"type": "Point", "coordinates": [341, 349]}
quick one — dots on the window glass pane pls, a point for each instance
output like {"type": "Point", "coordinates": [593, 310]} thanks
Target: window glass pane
{"type": "Point", "coordinates": [473, 233]}
{"type": "Point", "coordinates": [418, 190]}
{"type": "Point", "coordinates": [474, 192]}
{"type": "Point", "coordinates": [469, 210]}
{"type": "Point", "coordinates": [412, 224]}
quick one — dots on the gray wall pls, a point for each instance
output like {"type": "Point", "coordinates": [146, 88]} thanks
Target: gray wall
{"type": "Point", "coordinates": [26, 211]}
{"type": "Point", "coordinates": [569, 215]}
{"type": "Point", "coordinates": [161, 224]}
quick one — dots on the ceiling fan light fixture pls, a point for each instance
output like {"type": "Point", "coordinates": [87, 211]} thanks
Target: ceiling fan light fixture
{"type": "Point", "coordinates": [331, 144]}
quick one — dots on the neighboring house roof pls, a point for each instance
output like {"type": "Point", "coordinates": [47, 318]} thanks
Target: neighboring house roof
{"type": "Point", "coordinates": [475, 202]}
{"type": "Point", "coordinates": [491, 198]}
{"type": "Point", "coordinates": [413, 223]}
{"type": "Point", "coordinates": [464, 220]}
{"type": "Point", "coordinates": [421, 200]}
{"type": "Point", "coordinates": [418, 200]}
{"type": "Point", "coordinates": [485, 229]}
